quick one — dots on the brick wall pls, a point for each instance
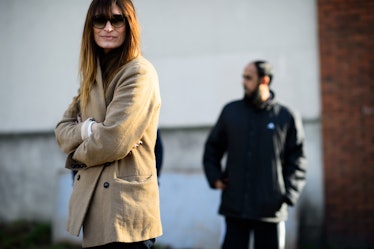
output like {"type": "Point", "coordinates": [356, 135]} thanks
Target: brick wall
{"type": "Point", "coordinates": [346, 40]}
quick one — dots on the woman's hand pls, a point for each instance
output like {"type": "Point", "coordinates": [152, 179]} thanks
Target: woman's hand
{"type": "Point", "coordinates": [140, 142]}
{"type": "Point", "coordinates": [79, 119]}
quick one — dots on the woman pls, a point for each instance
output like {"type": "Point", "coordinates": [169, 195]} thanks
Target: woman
{"type": "Point", "coordinates": [109, 134]}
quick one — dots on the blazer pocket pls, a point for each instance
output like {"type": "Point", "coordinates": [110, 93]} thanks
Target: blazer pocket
{"type": "Point", "coordinates": [134, 197]}
{"type": "Point", "coordinates": [135, 179]}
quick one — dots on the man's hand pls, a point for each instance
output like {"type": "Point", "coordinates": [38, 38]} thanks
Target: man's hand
{"type": "Point", "coordinates": [219, 184]}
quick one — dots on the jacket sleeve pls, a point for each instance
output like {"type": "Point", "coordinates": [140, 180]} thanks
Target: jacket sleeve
{"type": "Point", "coordinates": [215, 148]}
{"type": "Point", "coordinates": [294, 169]}
{"type": "Point", "coordinates": [134, 105]}
{"type": "Point", "coordinates": [68, 130]}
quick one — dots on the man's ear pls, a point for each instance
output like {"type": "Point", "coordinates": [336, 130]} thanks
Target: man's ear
{"type": "Point", "coordinates": [265, 80]}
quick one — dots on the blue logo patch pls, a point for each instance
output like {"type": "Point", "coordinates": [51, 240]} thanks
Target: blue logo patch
{"type": "Point", "coordinates": [271, 126]}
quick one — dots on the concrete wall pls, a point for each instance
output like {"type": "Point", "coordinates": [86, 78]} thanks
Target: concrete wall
{"type": "Point", "coordinates": [28, 175]}
{"type": "Point", "coordinates": [34, 186]}
{"type": "Point", "coordinates": [199, 49]}
{"type": "Point", "coordinates": [189, 207]}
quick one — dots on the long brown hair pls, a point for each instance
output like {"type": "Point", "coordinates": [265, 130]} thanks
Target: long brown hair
{"type": "Point", "coordinates": [90, 52]}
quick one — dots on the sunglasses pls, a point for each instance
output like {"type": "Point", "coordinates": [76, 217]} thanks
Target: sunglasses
{"type": "Point", "coordinates": [116, 21]}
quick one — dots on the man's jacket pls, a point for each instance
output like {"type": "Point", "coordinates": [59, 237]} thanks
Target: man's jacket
{"type": "Point", "coordinates": [265, 161]}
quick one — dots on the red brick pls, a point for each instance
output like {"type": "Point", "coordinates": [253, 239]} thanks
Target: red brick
{"type": "Point", "coordinates": [346, 37]}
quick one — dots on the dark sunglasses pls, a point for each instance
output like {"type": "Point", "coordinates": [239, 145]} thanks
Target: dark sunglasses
{"type": "Point", "coordinates": [116, 21]}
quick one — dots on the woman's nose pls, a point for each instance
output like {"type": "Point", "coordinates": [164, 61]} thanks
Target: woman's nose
{"type": "Point", "coordinates": [108, 26]}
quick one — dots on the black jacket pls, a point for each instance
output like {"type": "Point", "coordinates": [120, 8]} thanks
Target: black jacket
{"type": "Point", "coordinates": [265, 164]}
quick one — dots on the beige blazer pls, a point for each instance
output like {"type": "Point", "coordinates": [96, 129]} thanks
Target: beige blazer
{"type": "Point", "coordinates": [115, 196]}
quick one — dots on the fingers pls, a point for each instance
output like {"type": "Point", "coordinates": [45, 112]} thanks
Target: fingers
{"type": "Point", "coordinates": [140, 142]}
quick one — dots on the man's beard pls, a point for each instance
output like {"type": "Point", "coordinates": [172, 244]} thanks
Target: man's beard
{"type": "Point", "coordinates": [254, 97]}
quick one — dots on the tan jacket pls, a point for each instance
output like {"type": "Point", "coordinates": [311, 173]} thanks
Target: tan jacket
{"type": "Point", "coordinates": [115, 196]}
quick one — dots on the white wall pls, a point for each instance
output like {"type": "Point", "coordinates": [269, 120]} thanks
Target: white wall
{"type": "Point", "coordinates": [199, 48]}
{"type": "Point", "coordinates": [39, 50]}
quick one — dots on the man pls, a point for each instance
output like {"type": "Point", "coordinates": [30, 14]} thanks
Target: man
{"type": "Point", "coordinates": [265, 165]}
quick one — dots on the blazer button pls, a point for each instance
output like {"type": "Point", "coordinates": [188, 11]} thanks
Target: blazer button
{"type": "Point", "coordinates": [106, 184]}
{"type": "Point", "coordinates": [78, 177]}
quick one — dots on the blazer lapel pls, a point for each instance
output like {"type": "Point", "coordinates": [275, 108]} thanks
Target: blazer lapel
{"type": "Point", "coordinates": [97, 105]}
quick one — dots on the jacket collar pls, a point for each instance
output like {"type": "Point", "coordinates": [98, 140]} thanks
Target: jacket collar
{"type": "Point", "coordinates": [263, 106]}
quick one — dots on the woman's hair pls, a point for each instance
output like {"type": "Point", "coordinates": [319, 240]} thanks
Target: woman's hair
{"type": "Point", "coordinates": [90, 51]}
{"type": "Point", "coordinates": [264, 68]}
